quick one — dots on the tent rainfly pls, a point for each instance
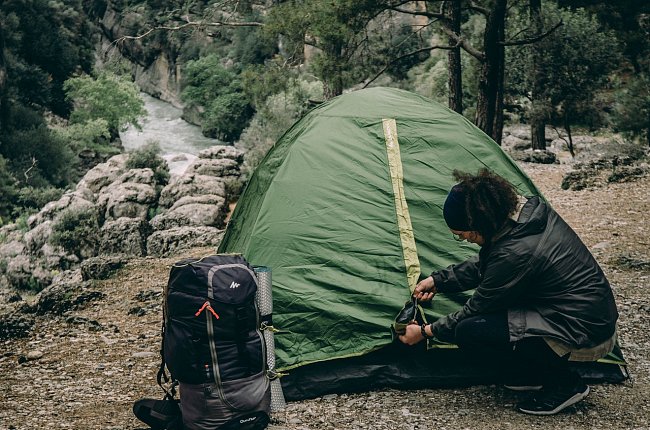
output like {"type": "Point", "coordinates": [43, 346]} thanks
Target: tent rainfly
{"type": "Point", "coordinates": [346, 209]}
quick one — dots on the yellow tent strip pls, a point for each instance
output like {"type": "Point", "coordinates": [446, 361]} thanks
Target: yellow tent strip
{"type": "Point", "coordinates": [411, 261]}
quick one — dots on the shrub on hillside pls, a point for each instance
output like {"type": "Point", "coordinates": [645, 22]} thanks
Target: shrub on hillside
{"type": "Point", "coordinates": [148, 156]}
{"type": "Point", "coordinates": [76, 231]}
{"type": "Point", "coordinates": [218, 94]}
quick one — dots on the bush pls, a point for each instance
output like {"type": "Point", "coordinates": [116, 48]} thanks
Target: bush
{"type": "Point", "coordinates": [218, 93]}
{"type": "Point", "coordinates": [110, 97]}
{"type": "Point", "coordinates": [76, 231]}
{"type": "Point", "coordinates": [632, 115]}
{"type": "Point", "coordinates": [93, 134]}
{"type": "Point", "coordinates": [36, 198]}
{"type": "Point", "coordinates": [273, 119]}
{"type": "Point", "coordinates": [8, 191]}
{"type": "Point", "coordinates": [148, 156]}
{"type": "Point", "coordinates": [226, 117]}
{"type": "Point", "coordinates": [39, 157]}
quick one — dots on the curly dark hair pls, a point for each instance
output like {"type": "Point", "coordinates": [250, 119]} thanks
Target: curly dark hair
{"type": "Point", "coordinates": [489, 201]}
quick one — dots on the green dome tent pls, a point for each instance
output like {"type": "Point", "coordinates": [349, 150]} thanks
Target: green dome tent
{"type": "Point", "coordinates": [346, 209]}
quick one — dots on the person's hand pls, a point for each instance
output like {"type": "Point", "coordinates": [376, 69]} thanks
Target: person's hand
{"type": "Point", "coordinates": [425, 290]}
{"type": "Point", "coordinates": [412, 335]}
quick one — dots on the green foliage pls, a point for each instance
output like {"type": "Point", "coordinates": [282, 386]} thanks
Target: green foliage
{"type": "Point", "coordinates": [632, 114]}
{"type": "Point", "coordinates": [148, 156]}
{"type": "Point", "coordinates": [260, 82]}
{"type": "Point", "coordinates": [338, 29]}
{"type": "Point", "coordinates": [227, 116]}
{"type": "Point", "coordinates": [219, 96]}
{"type": "Point", "coordinates": [577, 59]}
{"type": "Point", "coordinates": [47, 41]}
{"type": "Point", "coordinates": [21, 221]}
{"type": "Point", "coordinates": [274, 118]}
{"type": "Point", "coordinates": [36, 198]}
{"type": "Point", "coordinates": [110, 97]}
{"type": "Point", "coordinates": [430, 79]}
{"type": "Point", "coordinates": [251, 45]}
{"type": "Point", "coordinates": [93, 134]}
{"type": "Point", "coordinates": [38, 157]}
{"type": "Point", "coordinates": [76, 231]}
{"type": "Point", "coordinates": [8, 191]}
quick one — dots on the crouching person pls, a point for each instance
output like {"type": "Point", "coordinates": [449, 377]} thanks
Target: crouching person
{"type": "Point", "coordinates": [540, 297]}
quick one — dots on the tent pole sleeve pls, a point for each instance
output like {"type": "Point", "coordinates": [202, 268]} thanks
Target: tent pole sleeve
{"type": "Point", "coordinates": [411, 261]}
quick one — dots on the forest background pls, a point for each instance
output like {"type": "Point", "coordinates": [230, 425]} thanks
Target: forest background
{"type": "Point", "coordinates": [246, 70]}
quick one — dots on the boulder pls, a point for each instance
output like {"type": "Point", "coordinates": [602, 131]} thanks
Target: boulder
{"type": "Point", "coordinates": [68, 277]}
{"type": "Point", "coordinates": [192, 214]}
{"type": "Point", "coordinates": [223, 152]}
{"type": "Point", "coordinates": [136, 176]}
{"type": "Point", "coordinates": [169, 242]}
{"type": "Point", "coordinates": [204, 199]}
{"type": "Point", "coordinates": [10, 233]}
{"type": "Point", "coordinates": [534, 156]}
{"type": "Point", "coordinates": [55, 258]}
{"type": "Point", "coordinates": [64, 296]}
{"type": "Point", "coordinates": [191, 185]}
{"type": "Point", "coordinates": [127, 199]}
{"type": "Point", "coordinates": [11, 249]}
{"type": "Point", "coordinates": [102, 267]}
{"type": "Point", "coordinates": [515, 143]}
{"type": "Point", "coordinates": [37, 237]}
{"type": "Point", "coordinates": [520, 131]}
{"type": "Point", "coordinates": [124, 236]}
{"type": "Point", "coordinates": [73, 200]}
{"type": "Point", "coordinates": [215, 167]}
{"type": "Point", "coordinates": [15, 325]}
{"type": "Point", "coordinates": [104, 174]}
{"type": "Point", "coordinates": [18, 272]}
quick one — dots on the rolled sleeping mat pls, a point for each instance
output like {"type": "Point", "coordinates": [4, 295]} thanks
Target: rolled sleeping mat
{"type": "Point", "coordinates": [264, 298]}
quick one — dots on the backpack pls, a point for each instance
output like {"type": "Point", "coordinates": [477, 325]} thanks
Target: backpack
{"type": "Point", "coordinates": [212, 344]}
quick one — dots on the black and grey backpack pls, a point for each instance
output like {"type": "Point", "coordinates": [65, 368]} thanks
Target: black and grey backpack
{"type": "Point", "coordinates": [212, 344]}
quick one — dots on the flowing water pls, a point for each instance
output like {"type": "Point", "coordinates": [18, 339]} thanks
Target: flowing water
{"type": "Point", "coordinates": [179, 140]}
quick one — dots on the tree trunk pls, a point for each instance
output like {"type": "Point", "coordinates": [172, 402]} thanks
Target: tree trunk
{"type": "Point", "coordinates": [3, 81]}
{"type": "Point", "coordinates": [332, 89]}
{"type": "Point", "coordinates": [333, 74]}
{"type": "Point", "coordinates": [497, 126]}
{"type": "Point", "coordinates": [537, 118]}
{"type": "Point", "coordinates": [537, 133]}
{"type": "Point", "coordinates": [455, 81]}
{"type": "Point", "coordinates": [567, 127]}
{"type": "Point", "coordinates": [489, 106]}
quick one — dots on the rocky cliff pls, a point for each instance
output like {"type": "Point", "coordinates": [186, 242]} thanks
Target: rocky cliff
{"type": "Point", "coordinates": [137, 217]}
{"type": "Point", "coordinates": [155, 65]}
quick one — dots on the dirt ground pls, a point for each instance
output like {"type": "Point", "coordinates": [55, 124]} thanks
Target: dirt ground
{"type": "Point", "coordinates": [83, 370]}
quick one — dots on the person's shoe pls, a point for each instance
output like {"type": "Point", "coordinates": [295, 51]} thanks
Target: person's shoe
{"type": "Point", "coordinates": [553, 400]}
{"type": "Point", "coordinates": [158, 414]}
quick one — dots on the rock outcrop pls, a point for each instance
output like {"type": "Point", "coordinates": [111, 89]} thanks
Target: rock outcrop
{"type": "Point", "coordinates": [136, 217]}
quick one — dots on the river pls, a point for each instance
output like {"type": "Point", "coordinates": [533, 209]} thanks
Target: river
{"type": "Point", "coordinates": [179, 140]}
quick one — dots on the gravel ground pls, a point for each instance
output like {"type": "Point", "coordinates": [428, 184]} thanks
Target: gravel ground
{"type": "Point", "coordinates": [83, 370]}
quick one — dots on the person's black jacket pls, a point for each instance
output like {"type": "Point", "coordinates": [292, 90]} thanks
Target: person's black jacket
{"type": "Point", "coordinates": [542, 274]}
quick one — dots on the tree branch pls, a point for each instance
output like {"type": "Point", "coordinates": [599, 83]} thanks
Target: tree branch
{"type": "Point", "coordinates": [482, 10]}
{"type": "Point", "coordinates": [189, 23]}
{"type": "Point", "coordinates": [418, 13]}
{"type": "Point", "coordinates": [401, 57]}
{"type": "Point", "coordinates": [26, 172]}
{"type": "Point", "coordinates": [460, 41]}
{"type": "Point", "coordinates": [533, 39]}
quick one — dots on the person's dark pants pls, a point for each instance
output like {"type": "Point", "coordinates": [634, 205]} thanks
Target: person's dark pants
{"type": "Point", "coordinates": [530, 358]}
